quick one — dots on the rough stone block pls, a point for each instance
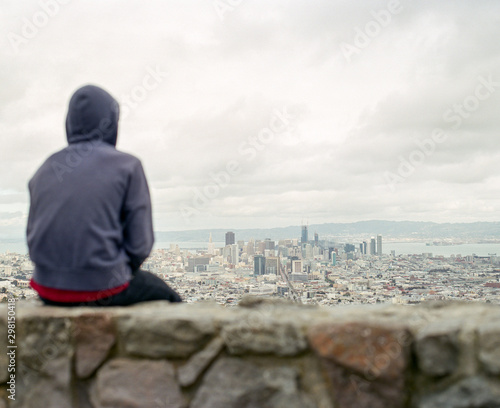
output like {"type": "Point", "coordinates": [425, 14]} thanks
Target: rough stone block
{"type": "Point", "coordinates": [154, 336]}
{"type": "Point", "coordinates": [44, 361]}
{"type": "Point", "coordinates": [136, 384]}
{"type": "Point", "coordinates": [263, 336]}
{"type": "Point", "coordinates": [94, 336]}
{"type": "Point", "coordinates": [472, 392]}
{"type": "Point", "coordinates": [233, 383]}
{"type": "Point", "coordinates": [42, 339]}
{"type": "Point", "coordinates": [366, 364]}
{"type": "Point", "coordinates": [489, 348]}
{"type": "Point", "coordinates": [4, 360]}
{"type": "Point", "coordinates": [189, 372]}
{"type": "Point", "coordinates": [48, 386]}
{"type": "Point", "coordinates": [437, 349]}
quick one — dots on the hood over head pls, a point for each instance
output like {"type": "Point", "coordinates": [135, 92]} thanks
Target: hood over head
{"type": "Point", "coordinates": [92, 115]}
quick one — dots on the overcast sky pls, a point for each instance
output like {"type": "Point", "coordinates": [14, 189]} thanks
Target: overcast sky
{"type": "Point", "coordinates": [260, 113]}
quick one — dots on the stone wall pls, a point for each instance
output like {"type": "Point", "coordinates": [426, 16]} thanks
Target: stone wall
{"type": "Point", "coordinates": [262, 354]}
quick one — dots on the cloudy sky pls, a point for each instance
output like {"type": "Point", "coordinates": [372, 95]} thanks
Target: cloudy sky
{"type": "Point", "coordinates": [258, 113]}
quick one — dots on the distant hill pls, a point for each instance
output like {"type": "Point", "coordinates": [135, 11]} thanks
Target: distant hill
{"type": "Point", "coordinates": [389, 229]}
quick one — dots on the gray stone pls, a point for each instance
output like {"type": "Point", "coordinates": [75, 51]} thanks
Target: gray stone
{"type": "Point", "coordinates": [263, 335]}
{"type": "Point", "coordinates": [472, 392]}
{"type": "Point", "coordinates": [157, 336]}
{"type": "Point", "coordinates": [42, 339]}
{"type": "Point", "coordinates": [82, 394]}
{"type": "Point", "coordinates": [489, 348]}
{"type": "Point", "coordinates": [296, 400]}
{"type": "Point", "coordinates": [4, 360]}
{"type": "Point", "coordinates": [94, 336]}
{"type": "Point", "coordinates": [43, 366]}
{"type": "Point", "coordinates": [233, 383]}
{"type": "Point", "coordinates": [50, 386]}
{"type": "Point", "coordinates": [189, 372]}
{"type": "Point", "coordinates": [437, 349]}
{"type": "Point", "coordinates": [136, 384]}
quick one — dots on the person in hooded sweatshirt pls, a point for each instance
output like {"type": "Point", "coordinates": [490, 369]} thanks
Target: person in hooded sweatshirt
{"type": "Point", "coordinates": [90, 224]}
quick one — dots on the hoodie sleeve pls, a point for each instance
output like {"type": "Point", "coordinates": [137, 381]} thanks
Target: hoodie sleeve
{"type": "Point", "coordinates": [137, 219]}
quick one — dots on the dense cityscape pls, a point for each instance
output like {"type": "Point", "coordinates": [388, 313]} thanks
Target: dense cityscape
{"type": "Point", "coordinates": [311, 271]}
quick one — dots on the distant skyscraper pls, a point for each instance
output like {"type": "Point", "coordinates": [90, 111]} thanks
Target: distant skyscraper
{"type": "Point", "coordinates": [272, 264]}
{"type": "Point", "coordinates": [373, 247]}
{"type": "Point", "coordinates": [316, 238]}
{"type": "Point", "coordinates": [251, 247]}
{"type": "Point", "coordinates": [308, 251]}
{"type": "Point", "coordinates": [297, 266]}
{"type": "Point", "coordinates": [269, 244]}
{"type": "Point", "coordinates": [235, 254]}
{"type": "Point", "coordinates": [260, 247]}
{"type": "Point", "coordinates": [230, 238]}
{"type": "Point", "coordinates": [211, 246]}
{"type": "Point", "coordinates": [365, 246]}
{"type": "Point", "coordinates": [379, 245]}
{"type": "Point", "coordinates": [259, 265]}
{"type": "Point", "coordinates": [304, 238]}
{"type": "Point", "coordinates": [330, 250]}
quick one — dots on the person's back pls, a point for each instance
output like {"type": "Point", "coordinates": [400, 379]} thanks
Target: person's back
{"type": "Point", "coordinates": [90, 224]}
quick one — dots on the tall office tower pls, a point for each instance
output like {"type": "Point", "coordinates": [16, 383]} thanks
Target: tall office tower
{"type": "Point", "coordinates": [251, 247]}
{"type": "Point", "coordinates": [373, 246]}
{"type": "Point", "coordinates": [308, 251]}
{"type": "Point", "coordinates": [259, 265]}
{"type": "Point", "coordinates": [330, 250]}
{"type": "Point", "coordinates": [272, 264]}
{"type": "Point", "coordinates": [226, 253]}
{"type": "Point", "coordinates": [211, 246]}
{"type": "Point", "coordinates": [334, 258]}
{"type": "Point", "coordinates": [297, 266]}
{"type": "Point", "coordinates": [230, 238]}
{"type": "Point", "coordinates": [235, 254]}
{"type": "Point", "coordinates": [361, 249]}
{"type": "Point", "coordinates": [379, 245]}
{"type": "Point", "coordinates": [365, 246]}
{"type": "Point", "coordinates": [304, 238]}
{"type": "Point", "coordinates": [260, 247]}
{"type": "Point", "coordinates": [316, 238]}
{"type": "Point", "coordinates": [283, 251]}
{"type": "Point", "coordinates": [269, 244]}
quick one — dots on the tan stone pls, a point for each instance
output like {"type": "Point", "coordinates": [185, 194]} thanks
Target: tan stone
{"type": "Point", "coordinates": [366, 364]}
{"type": "Point", "coordinates": [94, 337]}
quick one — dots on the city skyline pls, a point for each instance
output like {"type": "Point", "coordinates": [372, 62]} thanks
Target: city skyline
{"type": "Point", "coordinates": [257, 114]}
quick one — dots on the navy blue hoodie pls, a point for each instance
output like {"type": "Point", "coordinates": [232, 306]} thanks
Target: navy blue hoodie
{"type": "Point", "coordinates": [90, 222]}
